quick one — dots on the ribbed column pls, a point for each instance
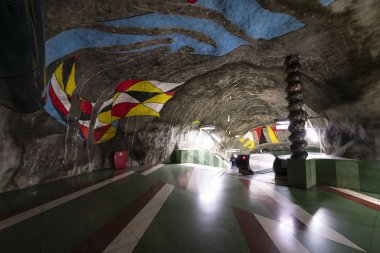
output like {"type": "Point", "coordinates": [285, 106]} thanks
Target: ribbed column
{"type": "Point", "coordinates": [297, 115]}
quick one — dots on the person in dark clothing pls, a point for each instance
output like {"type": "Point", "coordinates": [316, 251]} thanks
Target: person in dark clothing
{"type": "Point", "coordinates": [233, 162]}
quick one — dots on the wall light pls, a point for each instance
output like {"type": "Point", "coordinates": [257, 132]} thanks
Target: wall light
{"type": "Point", "coordinates": [282, 122]}
{"type": "Point", "coordinates": [207, 127]}
{"type": "Point", "coordinates": [312, 135]}
{"type": "Point", "coordinates": [282, 127]}
{"type": "Point", "coordinates": [204, 140]}
{"type": "Point", "coordinates": [311, 132]}
{"type": "Point", "coordinates": [216, 138]}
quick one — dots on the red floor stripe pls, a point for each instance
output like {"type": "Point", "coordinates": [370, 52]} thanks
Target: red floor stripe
{"type": "Point", "coordinates": [55, 196]}
{"type": "Point", "coordinates": [276, 209]}
{"type": "Point", "coordinates": [257, 239]}
{"type": "Point", "coordinates": [183, 180]}
{"type": "Point", "coordinates": [105, 235]}
{"type": "Point", "coordinates": [352, 198]}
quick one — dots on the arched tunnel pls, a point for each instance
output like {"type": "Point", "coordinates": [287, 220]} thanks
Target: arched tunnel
{"type": "Point", "coordinates": [180, 90]}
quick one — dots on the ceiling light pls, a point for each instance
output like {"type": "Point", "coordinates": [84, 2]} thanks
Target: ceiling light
{"type": "Point", "coordinates": [282, 127]}
{"type": "Point", "coordinates": [282, 122]}
{"type": "Point", "coordinates": [207, 127]}
{"type": "Point", "coordinates": [216, 138]}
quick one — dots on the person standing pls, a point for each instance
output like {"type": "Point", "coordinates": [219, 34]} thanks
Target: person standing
{"type": "Point", "coordinates": [233, 162]}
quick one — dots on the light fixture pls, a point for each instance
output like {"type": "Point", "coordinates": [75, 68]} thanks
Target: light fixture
{"type": "Point", "coordinates": [282, 127]}
{"type": "Point", "coordinates": [207, 127]}
{"type": "Point", "coordinates": [216, 138]}
{"type": "Point", "coordinates": [204, 140]}
{"type": "Point", "coordinates": [282, 122]}
{"type": "Point", "coordinates": [312, 135]}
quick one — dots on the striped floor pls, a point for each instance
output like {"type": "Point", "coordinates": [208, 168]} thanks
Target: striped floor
{"type": "Point", "coordinates": [186, 208]}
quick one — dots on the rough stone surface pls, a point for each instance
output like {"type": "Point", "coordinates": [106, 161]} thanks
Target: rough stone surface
{"type": "Point", "coordinates": [339, 48]}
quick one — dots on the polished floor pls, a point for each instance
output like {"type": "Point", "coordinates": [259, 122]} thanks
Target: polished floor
{"type": "Point", "coordinates": [186, 208]}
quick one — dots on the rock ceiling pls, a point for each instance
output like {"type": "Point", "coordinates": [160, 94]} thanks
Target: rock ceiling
{"type": "Point", "coordinates": [229, 56]}
{"type": "Point", "coordinates": [235, 67]}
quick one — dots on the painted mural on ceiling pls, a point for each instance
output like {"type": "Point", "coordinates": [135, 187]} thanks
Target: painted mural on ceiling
{"type": "Point", "coordinates": [219, 3]}
{"type": "Point", "coordinates": [326, 2]}
{"type": "Point", "coordinates": [263, 135]}
{"type": "Point", "coordinates": [146, 98]}
{"type": "Point", "coordinates": [81, 38]}
{"type": "Point", "coordinates": [130, 98]}
{"type": "Point", "coordinates": [258, 23]}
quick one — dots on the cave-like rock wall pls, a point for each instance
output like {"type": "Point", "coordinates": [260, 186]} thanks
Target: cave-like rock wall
{"type": "Point", "coordinates": [230, 70]}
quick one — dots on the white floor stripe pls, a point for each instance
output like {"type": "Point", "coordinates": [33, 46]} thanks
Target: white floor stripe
{"type": "Point", "coordinates": [152, 169]}
{"type": "Point", "coordinates": [201, 166]}
{"type": "Point", "coordinates": [127, 240]}
{"type": "Point", "coordinates": [281, 236]}
{"type": "Point", "coordinates": [54, 203]}
{"type": "Point", "coordinates": [358, 195]}
{"type": "Point", "coordinates": [315, 225]}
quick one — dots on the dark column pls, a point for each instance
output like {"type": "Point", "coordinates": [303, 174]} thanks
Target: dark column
{"type": "Point", "coordinates": [22, 54]}
{"type": "Point", "coordinates": [297, 115]}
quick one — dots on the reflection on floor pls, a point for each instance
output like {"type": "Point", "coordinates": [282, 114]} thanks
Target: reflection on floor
{"type": "Point", "coordinates": [186, 208]}
{"type": "Point", "coordinates": [267, 177]}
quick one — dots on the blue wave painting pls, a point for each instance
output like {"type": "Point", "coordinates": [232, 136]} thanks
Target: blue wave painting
{"type": "Point", "coordinates": [253, 19]}
{"type": "Point", "coordinates": [75, 39]}
{"type": "Point", "coordinates": [326, 2]}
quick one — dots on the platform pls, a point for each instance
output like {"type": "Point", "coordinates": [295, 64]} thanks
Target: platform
{"type": "Point", "coordinates": [185, 208]}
